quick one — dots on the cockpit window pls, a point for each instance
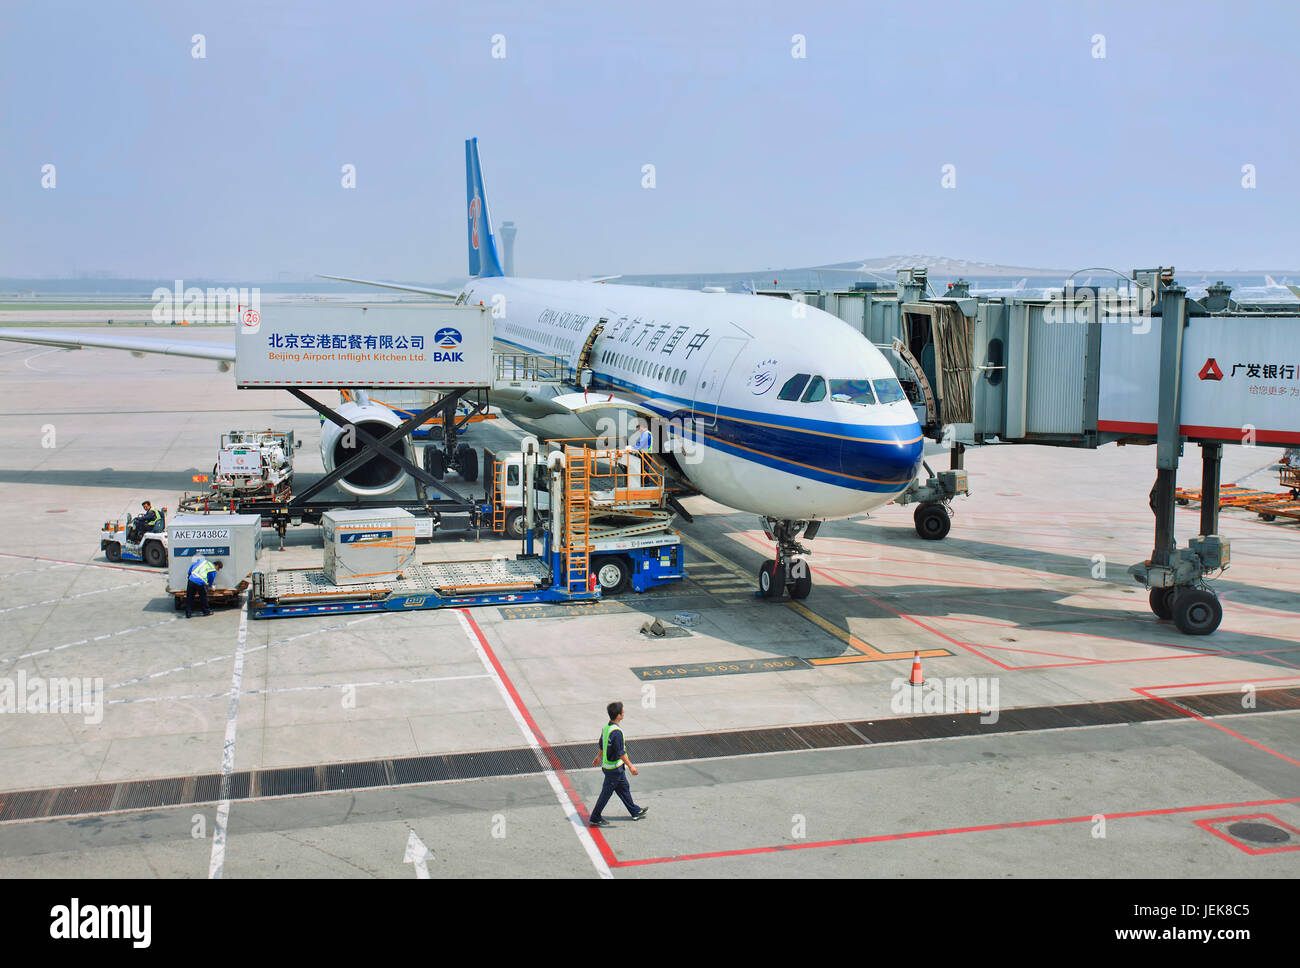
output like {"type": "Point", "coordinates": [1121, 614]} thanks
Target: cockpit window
{"type": "Point", "coordinates": [816, 390]}
{"type": "Point", "coordinates": [888, 390]}
{"type": "Point", "coordinates": [852, 391]}
{"type": "Point", "coordinates": [793, 387]}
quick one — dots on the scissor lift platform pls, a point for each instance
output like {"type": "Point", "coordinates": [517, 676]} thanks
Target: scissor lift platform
{"type": "Point", "coordinates": [306, 591]}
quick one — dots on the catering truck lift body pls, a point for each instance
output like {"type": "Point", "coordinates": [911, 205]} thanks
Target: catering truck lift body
{"type": "Point", "coordinates": [606, 532]}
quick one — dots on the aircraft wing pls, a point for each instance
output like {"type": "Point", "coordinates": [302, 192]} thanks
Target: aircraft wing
{"type": "Point", "coordinates": [444, 293]}
{"type": "Point", "coordinates": [138, 345]}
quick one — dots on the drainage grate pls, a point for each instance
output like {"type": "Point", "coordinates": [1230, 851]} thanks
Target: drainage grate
{"type": "Point", "coordinates": [296, 781]}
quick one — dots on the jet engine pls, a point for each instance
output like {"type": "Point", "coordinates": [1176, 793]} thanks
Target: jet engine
{"type": "Point", "coordinates": [377, 476]}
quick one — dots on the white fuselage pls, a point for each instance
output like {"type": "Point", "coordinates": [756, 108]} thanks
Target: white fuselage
{"type": "Point", "coordinates": [719, 362]}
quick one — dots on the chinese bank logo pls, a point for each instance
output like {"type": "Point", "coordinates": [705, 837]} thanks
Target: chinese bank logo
{"type": "Point", "coordinates": [1210, 371]}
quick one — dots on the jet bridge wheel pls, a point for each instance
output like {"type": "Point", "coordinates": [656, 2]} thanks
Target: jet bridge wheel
{"type": "Point", "coordinates": [1161, 601]}
{"type": "Point", "coordinates": [771, 579]}
{"type": "Point", "coordinates": [1197, 611]}
{"type": "Point", "coordinates": [932, 521]}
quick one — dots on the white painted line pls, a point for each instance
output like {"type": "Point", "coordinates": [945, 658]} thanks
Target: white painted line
{"type": "Point", "coordinates": [32, 571]}
{"type": "Point", "coordinates": [82, 564]}
{"type": "Point", "coordinates": [68, 598]}
{"type": "Point", "coordinates": [97, 638]}
{"type": "Point", "coordinates": [230, 655]}
{"type": "Point", "coordinates": [267, 692]}
{"type": "Point", "coordinates": [28, 362]}
{"type": "Point", "coordinates": [218, 860]}
{"type": "Point", "coordinates": [579, 828]}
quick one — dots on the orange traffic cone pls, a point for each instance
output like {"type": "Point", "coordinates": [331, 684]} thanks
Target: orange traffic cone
{"type": "Point", "coordinates": [917, 678]}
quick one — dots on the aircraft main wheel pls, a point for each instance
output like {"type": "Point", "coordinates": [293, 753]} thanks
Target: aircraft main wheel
{"type": "Point", "coordinates": [1197, 612]}
{"type": "Point", "coordinates": [113, 552]}
{"type": "Point", "coordinates": [154, 554]}
{"type": "Point", "coordinates": [467, 463]}
{"type": "Point", "coordinates": [1161, 601]}
{"type": "Point", "coordinates": [434, 462]}
{"type": "Point", "coordinates": [801, 583]}
{"type": "Point", "coordinates": [515, 524]}
{"type": "Point", "coordinates": [612, 574]}
{"type": "Point", "coordinates": [932, 521]}
{"type": "Point", "coordinates": [771, 579]}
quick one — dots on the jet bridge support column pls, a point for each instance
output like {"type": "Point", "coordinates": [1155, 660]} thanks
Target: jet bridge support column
{"type": "Point", "coordinates": [1211, 458]}
{"type": "Point", "coordinates": [1176, 578]}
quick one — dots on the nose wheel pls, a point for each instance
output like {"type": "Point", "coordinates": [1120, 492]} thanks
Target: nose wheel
{"type": "Point", "coordinates": [787, 571]}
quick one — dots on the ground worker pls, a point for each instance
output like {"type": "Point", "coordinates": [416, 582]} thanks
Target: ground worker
{"type": "Point", "coordinates": [611, 759]}
{"type": "Point", "coordinates": [643, 439]}
{"type": "Point", "coordinates": [145, 523]}
{"type": "Point", "coordinates": [202, 575]}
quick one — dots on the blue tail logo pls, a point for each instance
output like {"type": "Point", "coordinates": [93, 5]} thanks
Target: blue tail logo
{"type": "Point", "coordinates": [483, 260]}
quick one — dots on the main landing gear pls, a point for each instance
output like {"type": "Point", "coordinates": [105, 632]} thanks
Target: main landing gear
{"type": "Point", "coordinates": [451, 454]}
{"type": "Point", "coordinates": [787, 570]}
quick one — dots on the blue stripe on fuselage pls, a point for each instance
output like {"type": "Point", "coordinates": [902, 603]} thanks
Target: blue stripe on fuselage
{"type": "Point", "coordinates": [879, 458]}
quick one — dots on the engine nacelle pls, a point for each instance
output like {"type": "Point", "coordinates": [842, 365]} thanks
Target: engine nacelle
{"type": "Point", "coordinates": [377, 476]}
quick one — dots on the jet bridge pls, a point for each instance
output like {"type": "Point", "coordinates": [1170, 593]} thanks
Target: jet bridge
{"type": "Point", "coordinates": [1138, 363]}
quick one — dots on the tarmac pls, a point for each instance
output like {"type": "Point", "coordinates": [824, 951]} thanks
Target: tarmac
{"type": "Point", "coordinates": [1027, 596]}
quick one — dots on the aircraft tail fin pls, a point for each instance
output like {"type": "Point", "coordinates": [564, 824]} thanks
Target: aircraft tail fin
{"type": "Point", "coordinates": [483, 259]}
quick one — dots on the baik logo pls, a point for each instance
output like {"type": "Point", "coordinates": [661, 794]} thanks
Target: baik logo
{"type": "Point", "coordinates": [1210, 371]}
{"type": "Point", "coordinates": [72, 922]}
{"type": "Point", "coordinates": [447, 337]}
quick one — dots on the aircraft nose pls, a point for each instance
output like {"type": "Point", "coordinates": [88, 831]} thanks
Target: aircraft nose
{"type": "Point", "coordinates": [884, 455]}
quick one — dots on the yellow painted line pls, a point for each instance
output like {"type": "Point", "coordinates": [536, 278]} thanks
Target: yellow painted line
{"type": "Point", "coordinates": [868, 653]}
{"type": "Point", "coordinates": [865, 652]}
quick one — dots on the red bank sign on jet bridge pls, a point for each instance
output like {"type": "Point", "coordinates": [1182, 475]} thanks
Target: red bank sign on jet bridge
{"type": "Point", "coordinates": [1240, 379]}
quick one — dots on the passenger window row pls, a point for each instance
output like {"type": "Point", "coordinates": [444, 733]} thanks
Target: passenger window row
{"type": "Point", "coordinates": [647, 368]}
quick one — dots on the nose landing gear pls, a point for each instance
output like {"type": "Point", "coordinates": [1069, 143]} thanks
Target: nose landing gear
{"type": "Point", "coordinates": [787, 571]}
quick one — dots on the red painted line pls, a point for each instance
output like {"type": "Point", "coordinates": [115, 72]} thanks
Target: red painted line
{"type": "Point", "coordinates": [86, 564]}
{"type": "Point", "coordinates": [933, 581]}
{"type": "Point", "coordinates": [596, 834]}
{"type": "Point", "coordinates": [1197, 430]}
{"type": "Point", "coordinates": [1223, 835]}
{"type": "Point", "coordinates": [1146, 692]}
{"type": "Point", "coordinates": [917, 834]}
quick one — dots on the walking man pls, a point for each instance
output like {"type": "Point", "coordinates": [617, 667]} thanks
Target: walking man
{"type": "Point", "coordinates": [202, 575]}
{"type": "Point", "coordinates": [611, 759]}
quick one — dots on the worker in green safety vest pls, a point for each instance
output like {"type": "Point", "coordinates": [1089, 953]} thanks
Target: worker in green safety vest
{"type": "Point", "coordinates": [611, 758]}
{"type": "Point", "coordinates": [203, 574]}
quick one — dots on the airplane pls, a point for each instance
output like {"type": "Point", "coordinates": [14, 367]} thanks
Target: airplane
{"type": "Point", "coordinates": [790, 413]}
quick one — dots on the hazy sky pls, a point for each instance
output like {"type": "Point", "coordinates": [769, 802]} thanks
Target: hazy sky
{"type": "Point", "coordinates": [228, 167]}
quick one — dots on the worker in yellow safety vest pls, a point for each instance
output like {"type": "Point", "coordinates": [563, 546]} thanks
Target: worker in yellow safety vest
{"type": "Point", "coordinates": [203, 574]}
{"type": "Point", "coordinates": [611, 759]}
